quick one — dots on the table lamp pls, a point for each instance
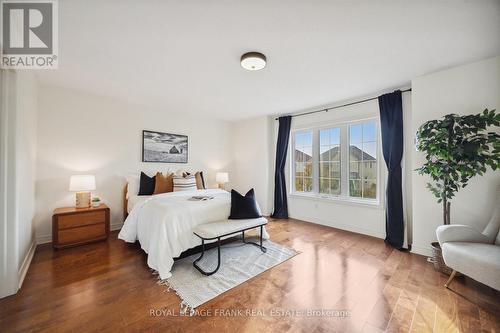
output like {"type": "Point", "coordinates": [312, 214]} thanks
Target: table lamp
{"type": "Point", "coordinates": [221, 178]}
{"type": "Point", "coordinates": [82, 185]}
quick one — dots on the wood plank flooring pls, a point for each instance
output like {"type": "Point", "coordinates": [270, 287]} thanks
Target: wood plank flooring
{"type": "Point", "coordinates": [107, 287]}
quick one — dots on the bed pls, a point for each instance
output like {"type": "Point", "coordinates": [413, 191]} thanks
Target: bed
{"type": "Point", "coordinates": [163, 223]}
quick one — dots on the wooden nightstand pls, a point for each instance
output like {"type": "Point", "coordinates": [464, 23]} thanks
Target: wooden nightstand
{"type": "Point", "coordinates": [76, 226]}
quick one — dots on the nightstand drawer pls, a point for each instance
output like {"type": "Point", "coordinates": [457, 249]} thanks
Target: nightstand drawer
{"type": "Point", "coordinates": [77, 220]}
{"type": "Point", "coordinates": [75, 235]}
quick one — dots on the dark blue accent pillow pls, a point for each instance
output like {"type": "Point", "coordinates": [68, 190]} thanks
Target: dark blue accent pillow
{"type": "Point", "coordinates": [244, 207]}
{"type": "Point", "coordinates": [147, 184]}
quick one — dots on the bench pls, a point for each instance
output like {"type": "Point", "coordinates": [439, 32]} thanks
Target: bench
{"type": "Point", "coordinates": [217, 230]}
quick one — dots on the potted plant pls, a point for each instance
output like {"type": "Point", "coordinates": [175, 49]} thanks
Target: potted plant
{"type": "Point", "coordinates": [456, 149]}
{"type": "Point", "coordinates": [96, 202]}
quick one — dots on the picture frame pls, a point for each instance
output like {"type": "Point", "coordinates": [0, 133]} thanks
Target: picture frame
{"type": "Point", "coordinates": [160, 147]}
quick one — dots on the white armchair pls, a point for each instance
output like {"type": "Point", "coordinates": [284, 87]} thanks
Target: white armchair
{"type": "Point", "coordinates": [471, 252]}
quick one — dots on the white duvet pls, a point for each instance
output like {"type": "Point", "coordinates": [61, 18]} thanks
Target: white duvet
{"type": "Point", "coordinates": [163, 224]}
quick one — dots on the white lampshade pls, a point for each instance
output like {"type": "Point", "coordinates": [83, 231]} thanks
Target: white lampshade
{"type": "Point", "coordinates": [81, 183]}
{"type": "Point", "coordinates": [222, 177]}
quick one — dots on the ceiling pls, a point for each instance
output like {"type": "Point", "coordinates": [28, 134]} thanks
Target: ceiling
{"type": "Point", "coordinates": [184, 56]}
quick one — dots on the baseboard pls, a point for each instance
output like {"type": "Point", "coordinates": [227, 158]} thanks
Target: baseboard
{"type": "Point", "coordinates": [43, 239]}
{"type": "Point", "coordinates": [422, 250]}
{"type": "Point", "coordinates": [26, 263]}
{"type": "Point", "coordinates": [350, 228]}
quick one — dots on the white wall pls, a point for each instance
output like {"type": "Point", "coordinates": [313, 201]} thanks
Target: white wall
{"type": "Point", "coordinates": [26, 142]}
{"type": "Point", "coordinates": [84, 133]}
{"type": "Point", "coordinates": [251, 159]}
{"type": "Point", "coordinates": [365, 219]}
{"type": "Point", "coordinates": [462, 90]}
{"type": "Point", "coordinates": [18, 111]}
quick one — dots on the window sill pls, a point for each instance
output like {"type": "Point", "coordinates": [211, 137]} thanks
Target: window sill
{"type": "Point", "coordinates": [369, 203]}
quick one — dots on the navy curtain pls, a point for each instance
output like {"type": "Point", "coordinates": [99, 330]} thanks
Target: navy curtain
{"type": "Point", "coordinates": [280, 202]}
{"type": "Point", "coordinates": [391, 119]}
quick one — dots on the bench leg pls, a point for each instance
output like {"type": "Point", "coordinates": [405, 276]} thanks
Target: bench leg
{"type": "Point", "coordinates": [195, 263]}
{"type": "Point", "coordinates": [262, 248]}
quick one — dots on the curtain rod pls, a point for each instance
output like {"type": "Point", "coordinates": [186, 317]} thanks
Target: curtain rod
{"type": "Point", "coordinates": [338, 106]}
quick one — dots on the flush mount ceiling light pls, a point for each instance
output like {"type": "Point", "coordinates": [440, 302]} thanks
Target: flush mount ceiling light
{"type": "Point", "coordinates": [253, 61]}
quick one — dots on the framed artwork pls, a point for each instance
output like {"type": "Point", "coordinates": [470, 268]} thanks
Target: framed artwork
{"type": "Point", "coordinates": [164, 147]}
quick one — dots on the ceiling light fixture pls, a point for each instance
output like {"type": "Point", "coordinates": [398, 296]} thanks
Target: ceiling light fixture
{"type": "Point", "coordinates": [253, 61]}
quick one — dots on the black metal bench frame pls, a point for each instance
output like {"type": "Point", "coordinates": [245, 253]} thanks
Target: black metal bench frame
{"type": "Point", "coordinates": [203, 239]}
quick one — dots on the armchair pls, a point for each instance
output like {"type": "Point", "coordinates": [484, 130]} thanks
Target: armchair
{"type": "Point", "coordinates": [473, 253]}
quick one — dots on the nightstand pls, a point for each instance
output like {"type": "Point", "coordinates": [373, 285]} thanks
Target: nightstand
{"type": "Point", "coordinates": [73, 226]}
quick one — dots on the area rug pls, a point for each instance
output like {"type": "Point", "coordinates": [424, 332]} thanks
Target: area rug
{"type": "Point", "coordinates": [239, 263]}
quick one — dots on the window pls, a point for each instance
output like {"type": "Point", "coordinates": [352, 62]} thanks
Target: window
{"type": "Point", "coordinates": [303, 160]}
{"type": "Point", "coordinates": [363, 160]}
{"type": "Point", "coordinates": [338, 161]}
{"type": "Point", "coordinates": [329, 161]}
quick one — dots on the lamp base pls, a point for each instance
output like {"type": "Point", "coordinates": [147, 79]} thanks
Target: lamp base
{"type": "Point", "coordinates": [82, 199]}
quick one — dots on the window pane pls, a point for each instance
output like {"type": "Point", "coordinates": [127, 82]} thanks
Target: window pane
{"type": "Point", "coordinates": [335, 186]}
{"type": "Point", "coordinates": [335, 153]}
{"type": "Point", "coordinates": [334, 170]}
{"type": "Point", "coordinates": [324, 154]}
{"type": "Point", "coordinates": [299, 156]}
{"type": "Point", "coordinates": [355, 134]}
{"type": "Point", "coordinates": [307, 153]}
{"type": "Point", "coordinates": [370, 151]}
{"type": "Point", "coordinates": [355, 153]}
{"type": "Point", "coordinates": [369, 170]}
{"type": "Point", "coordinates": [303, 161]}
{"type": "Point", "coordinates": [308, 169]}
{"type": "Point", "coordinates": [363, 160]}
{"type": "Point", "coordinates": [299, 184]}
{"type": "Point", "coordinates": [324, 185]}
{"type": "Point", "coordinates": [335, 136]}
{"type": "Point", "coordinates": [355, 188]}
{"type": "Point", "coordinates": [329, 160]}
{"type": "Point", "coordinates": [303, 139]}
{"type": "Point", "coordinates": [324, 169]}
{"type": "Point", "coordinates": [299, 169]}
{"type": "Point", "coordinates": [307, 184]}
{"type": "Point", "coordinates": [355, 170]}
{"type": "Point", "coordinates": [369, 132]}
{"type": "Point", "coordinates": [370, 189]}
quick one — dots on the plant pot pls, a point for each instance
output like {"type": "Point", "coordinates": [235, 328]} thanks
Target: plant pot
{"type": "Point", "coordinates": [437, 259]}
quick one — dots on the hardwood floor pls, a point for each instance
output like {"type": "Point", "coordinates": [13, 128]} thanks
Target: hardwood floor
{"type": "Point", "coordinates": [107, 287]}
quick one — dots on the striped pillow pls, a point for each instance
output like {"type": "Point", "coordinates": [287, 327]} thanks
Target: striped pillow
{"type": "Point", "coordinates": [187, 183]}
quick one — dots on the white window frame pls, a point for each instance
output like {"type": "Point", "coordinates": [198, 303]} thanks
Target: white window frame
{"type": "Point", "coordinates": [344, 157]}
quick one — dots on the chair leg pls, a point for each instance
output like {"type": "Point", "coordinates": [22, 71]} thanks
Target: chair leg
{"type": "Point", "coordinates": [452, 276]}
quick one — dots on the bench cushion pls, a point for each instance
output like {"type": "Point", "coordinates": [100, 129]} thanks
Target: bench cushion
{"type": "Point", "coordinates": [216, 229]}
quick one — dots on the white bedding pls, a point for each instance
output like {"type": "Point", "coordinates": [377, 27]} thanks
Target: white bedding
{"type": "Point", "coordinates": [163, 224]}
{"type": "Point", "coordinates": [135, 199]}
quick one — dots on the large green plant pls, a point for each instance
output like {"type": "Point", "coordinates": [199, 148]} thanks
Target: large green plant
{"type": "Point", "coordinates": [457, 148]}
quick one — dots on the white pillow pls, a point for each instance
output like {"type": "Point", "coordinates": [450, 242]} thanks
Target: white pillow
{"type": "Point", "coordinates": [134, 182]}
{"type": "Point", "coordinates": [187, 183]}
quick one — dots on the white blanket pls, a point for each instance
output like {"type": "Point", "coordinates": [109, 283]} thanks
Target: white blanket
{"type": "Point", "coordinates": [163, 224]}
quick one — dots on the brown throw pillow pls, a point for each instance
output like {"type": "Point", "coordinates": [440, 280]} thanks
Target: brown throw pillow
{"type": "Point", "coordinates": [200, 182]}
{"type": "Point", "coordinates": [164, 183]}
